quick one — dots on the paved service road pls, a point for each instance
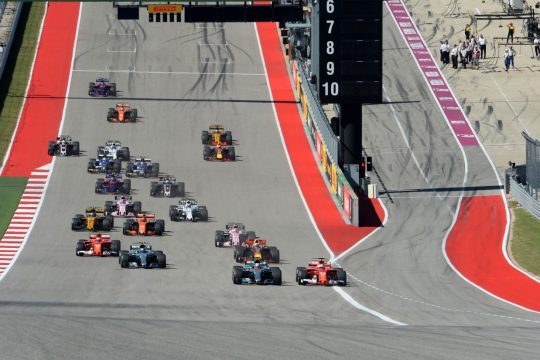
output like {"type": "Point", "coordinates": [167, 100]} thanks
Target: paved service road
{"type": "Point", "coordinates": [55, 305]}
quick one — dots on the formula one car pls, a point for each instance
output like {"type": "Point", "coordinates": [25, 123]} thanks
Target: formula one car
{"type": "Point", "coordinates": [114, 149]}
{"type": "Point", "coordinates": [219, 152]}
{"type": "Point", "coordinates": [94, 219]}
{"type": "Point", "coordinates": [98, 245]}
{"type": "Point", "coordinates": [63, 146]}
{"type": "Point", "coordinates": [141, 255]}
{"type": "Point", "coordinates": [113, 184]}
{"type": "Point", "coordinates": [216, 134]}
{"type": "Point", "coordinates": [321, 272]}
{"type": "Point", "coordinates": [102, 88]}
{"type": "Point", "coordinates": [144, 224]}
{"type": "Point", "coordinates": [256, 249]}
{"type": "Point", "coordinates": [256, 272]}
{"type": "Point", "coordinates": [167, 186]}
{"type": "Point", "coordinates": [142, 167]}
{"type": "Point", "coordinates": [123, 206]}
{"type": "Point", "coordinates": [235, 234]}
{"type": "Point", "coordinates": [122, 113]}
{"type": "Point", "coordinates": [104, 164]}
{"type": "Point", "coordinates": [188, 210]}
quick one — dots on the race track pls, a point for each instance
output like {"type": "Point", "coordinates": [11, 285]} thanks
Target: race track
{"type": "Point", "coordinates": [182, 78]}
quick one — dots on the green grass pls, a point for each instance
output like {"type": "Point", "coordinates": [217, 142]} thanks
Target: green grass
{"type": "Point", "coordinates": [11, 189]}
{"type": "Point", "coordinates": [17, 70]}
{"type": "Point", "coordinates": [525, 244]}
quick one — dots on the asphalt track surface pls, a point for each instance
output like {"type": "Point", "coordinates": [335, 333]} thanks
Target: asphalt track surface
{"type": "Point", "coordinates": [55, 305]}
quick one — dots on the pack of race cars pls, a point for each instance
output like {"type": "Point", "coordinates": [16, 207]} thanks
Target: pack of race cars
{"type": "Point", "coordinates": [252, 253]}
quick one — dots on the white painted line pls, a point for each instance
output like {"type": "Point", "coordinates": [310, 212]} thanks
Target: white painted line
{"type": "Point", "coordinates": [478, 12]}
{"type": "Point", "coordinates": [14, 236]}
{"type": "Point", "coordinates": [31, 196]}
{"type": "Point", "coordinates": [4, 258]}
{"type": "Point", "coordinates": [516, 114]}
{"type": "Point", "coordinates": [27, 206]}
{"type": "Point", "coordinates": [142, 72]}
{"type": "Point", "coordinates": [40, 173]}
{"type": "Point", "coordinates": [35, 186]}
{"type": "Point", "coordinates": [30, 191]}
{"type": "Point", "coordinates": [22, 217]}
{"type": "Point", "coordinates": [26, 211]}
{"type": "Point", "coordinates": [15, 231]}
{"type": "Point", "coordinates": [32, 180]}
{"type": "Point", "coordinates": [357, 305]}
{"type": "Point", "coordinates": [8, 150]}
{"type": "Point", "coordinates": [14, 220]}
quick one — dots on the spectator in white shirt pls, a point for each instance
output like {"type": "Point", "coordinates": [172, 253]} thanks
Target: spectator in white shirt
{"type": "Point", "coordinates": [482, 43]}
{"type": "Point", "coordinates": [454, 56]}
{"type": "Point", "coordinates": [536, 46]}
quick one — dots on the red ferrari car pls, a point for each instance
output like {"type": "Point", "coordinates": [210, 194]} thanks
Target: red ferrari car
{"type": "Point", "coordinates": [321, 272]}
{"type": "Point", "coordinates": [98, 245]}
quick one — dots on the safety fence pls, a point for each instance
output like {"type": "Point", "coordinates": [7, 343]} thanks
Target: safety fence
{"type": "Point", "coordinates": [325, 142]}
{"type": "Point", "coordinates": [8, 24]}
{"type": "Point", "coordinates": [521, 194]}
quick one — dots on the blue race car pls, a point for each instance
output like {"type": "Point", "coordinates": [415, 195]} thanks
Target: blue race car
{"type": "Point", "coordinates": [113, 184]}
{"type": "Point", "coordinates": [256, 272]}
{"type": "Point", "coordinates": [102, 88]}
{"type": "Point", "coordinates": [141, 255]}
{"type": "Point", "coordinates": [104, 164]}
{"type": "Point", "coordinates": [142, 167]}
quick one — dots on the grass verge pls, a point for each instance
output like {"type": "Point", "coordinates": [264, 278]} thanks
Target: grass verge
{"type": "Point", "coordinates": [17, 70]}
{"type": "Point", "coordinates": [11, 189]}
{"type": "Point", "coordinates": [525, 244]}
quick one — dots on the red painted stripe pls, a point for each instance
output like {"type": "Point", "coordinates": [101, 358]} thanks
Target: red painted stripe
{"type": "Point", "coordinates": [42, 112]}
{"type": "Point", "coordinates": [474, 246]}
{"type": "Point", "coordinates": [338, 235]}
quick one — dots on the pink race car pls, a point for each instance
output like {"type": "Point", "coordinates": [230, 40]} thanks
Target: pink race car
{"type": "Point", "coordinates": [123, 206]}
{"type": "Point", "coordinates": [235, 234]}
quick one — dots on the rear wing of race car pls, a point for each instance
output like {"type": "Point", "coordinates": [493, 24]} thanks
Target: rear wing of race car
{"type": "Point", "coordinates": [146, 216]}
{"type": "Point", "coordinates": [163, 179]}
{"type": "Point", "coordinates": [252, 242]}
{"type": "Point", "coordinates": [103, 237]}
{"type": "Point", "coordinates": [119, 197]}
{"type": "Point", "coordinates": [231, 225]}
{"type": "Point", "coordinates": [216, 127]}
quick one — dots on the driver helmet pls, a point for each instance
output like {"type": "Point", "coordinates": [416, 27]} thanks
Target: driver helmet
{"type": "Point", "coordinates": [257, 264]}
{"type": "Point", "coordinates": [142, 247]}
{"type": "Point", "coordinates": [320, 265]}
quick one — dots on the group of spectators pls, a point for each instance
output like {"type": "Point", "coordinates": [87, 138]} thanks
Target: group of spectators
{"type": "Point", "coordinates": [469, 51]}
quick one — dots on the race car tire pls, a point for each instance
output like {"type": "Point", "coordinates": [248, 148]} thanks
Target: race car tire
{"type": "Point", "coordinates": [126, 228]}
{"type": "Point", "coordinates": [160, 227]}
{"type": "Point", "coordinates": [75, 224]}
{"type": "Point", "coordinates": [117, 166]}
{"type": "Point", "coordinates": [180, 189]}
{"type": "Point", "coordinates": [108, 223]}
{"type": "Point", "coordinates": [154, 188]}
{"type": "Point", "coordinates": [161, 260]}
{"type": "Point", "coordinates": [203, 213]}
{"type": "Point", "coordinates": [115, 247]}
{"type": "Point", "coordinates": [124, 154]}
{"type": "Point", "coordinates": [91, 88]}
{"type": "Point", "coordinates": [90, 168]}
{"type": "Point", "coordinates": [50, 149]}
{"type": "Point", "coordinates": [237, 275]}
{"type": "Point", "coordinates": [75, 150]}
{"type": "Point", "coordinates": [124, 261]}
{"type": "Point", "coordinates": [204, 137]}
{"type": "Point", "coordinates": [207, 152]}
{"type": "Point", "coordinates": [113, 89]}
{"type": "Point", "coordinates": [301, 273]}
{"type": "Point", "coordinates": [100, 150]}
{"type": "Point", "coordinates": [122, 253]}
{"type": "Point", "coordinates": [218, 239]}
{"type": "Point", "coordinates": [274, 254]}
{"type": "Point", "coordinates": [276, 276]}
{"type": "Point", "coordinates": [251, 235]}
{"type": "Point", "coordinates": [341, 277]}
{"type": "Point", "coordinates": [79, 247]}
{"type": "Point", "coordinates": [133, 115]}
{"type": "Point", "coordinates": [228, 137]}
{"type": "Point", "coordinates": [232, 155]}
{"type": "Point", "coordinates": [99, 185]}
{"type": "Point", "coordinates": [108, 207]}
{"type": "Point", "coordinates": [129, 169]}
{"type": "Point", "coordinates": [137, 207]}
{"type": "Point", "coordinates": [126, 187]}
{"type": "Point", "coordinates": [155, 170]}
{"type": "Point", "coordinates": [238, 253]}
{"type": "Point", "coordinates": [173, 212]}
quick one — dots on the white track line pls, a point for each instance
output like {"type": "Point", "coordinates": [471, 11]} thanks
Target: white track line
{"type": "Point", "coordinates": [343, 294]}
